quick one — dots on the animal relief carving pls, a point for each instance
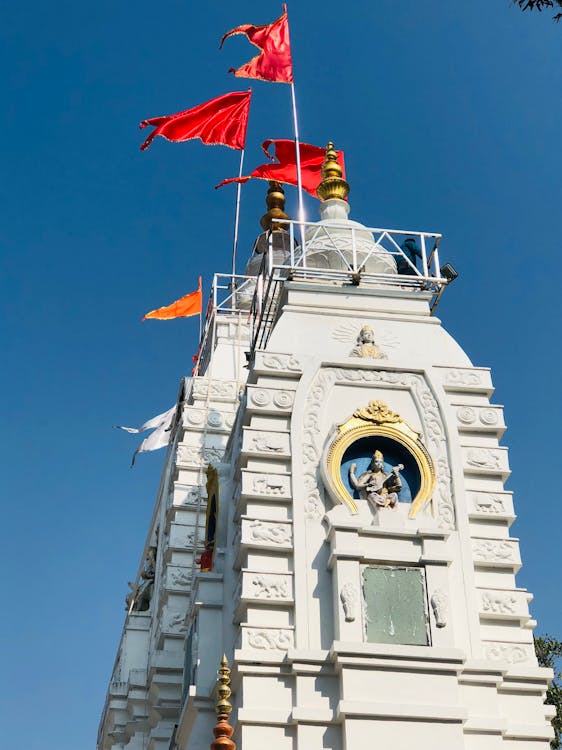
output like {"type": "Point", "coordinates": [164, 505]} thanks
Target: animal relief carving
{"type": "Point", "coordinates": [275, 640]}
{"type": "Point", "coordinates": [261, 531]}
{"type": "Point", "coordinates": [270, 588]}
{"type": "Point", "coordinates": [498, 603]}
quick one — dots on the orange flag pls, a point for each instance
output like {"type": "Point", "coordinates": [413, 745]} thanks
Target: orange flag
{"type": "Point", "coordinates": [191, 304]}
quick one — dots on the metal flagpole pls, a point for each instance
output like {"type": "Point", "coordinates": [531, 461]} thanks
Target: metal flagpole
{"type": "Point", "coordinates": [237, 219]}
{"type": "Point", "coordinates": [298, 162]}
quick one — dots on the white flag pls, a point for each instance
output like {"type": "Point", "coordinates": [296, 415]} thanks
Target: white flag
{"type": "Point", "coordinates": [161, 426]}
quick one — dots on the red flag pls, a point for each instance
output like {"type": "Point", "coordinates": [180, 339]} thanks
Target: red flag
{"type": "Point", "coordinates": [221, 121]}
{"type": "Point", "coordinates": [191, 304]}
{"type": "Point", "coordinates": [312, 158]}
{"type": "Point", "coordinates": [274, 61]}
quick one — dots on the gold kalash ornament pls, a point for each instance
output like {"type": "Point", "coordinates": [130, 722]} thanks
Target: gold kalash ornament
{"type": "Point", "coordinates": [377, 420]}
{"type": "Point", "coordinates": [333, 185]}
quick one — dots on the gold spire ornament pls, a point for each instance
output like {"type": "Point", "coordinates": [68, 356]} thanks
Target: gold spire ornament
{"type": "Point", "coordinates": [333, 185]}
{"type": "Point", "coordinates": [223, 731]}
{"type": "Point", "coordinates": [275, 202]}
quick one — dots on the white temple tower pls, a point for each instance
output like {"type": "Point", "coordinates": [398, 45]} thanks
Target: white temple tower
{"type": "Point", "coordinates": [336, 470]}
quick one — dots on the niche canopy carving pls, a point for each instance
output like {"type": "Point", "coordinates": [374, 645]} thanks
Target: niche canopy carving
{"type": "Point", "coordinates": [371, 431]}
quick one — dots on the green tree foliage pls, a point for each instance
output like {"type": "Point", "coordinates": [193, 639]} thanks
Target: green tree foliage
{"type": "Point", "coordinates": [540, 5]}
{"type": "Point", "coordinates": [548, 651]}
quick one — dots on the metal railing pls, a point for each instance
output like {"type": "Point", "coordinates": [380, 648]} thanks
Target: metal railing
{"type": "Point", "coordinates": [335, 253]}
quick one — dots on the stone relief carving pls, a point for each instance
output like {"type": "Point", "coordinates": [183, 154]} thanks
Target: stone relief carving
{"type": "Point", "coordinates": [489, 417]}
{"type": "Point", "coordinates": [180, 577]}
{"type": "Point", "coordinates": [270, 588]}
{"type": "Point", "coordinates": [281, 362]}
{"type": "Point", "coordinates": [191, 497]}
{"type": "Point", "coordinates": [347, 333]}
{"type": "Point", "coordinates": [261, 531]}
{"type": "Point", "coordinates": [510, 652]}
{"type": "Point", "coordinates": [276, 640]}
{"type": "Point", "coordinates": [174, 622]}
{"type": "Point", "coordinates": [463, 377]}
{"type": "Point", "coordinates": [483, 458]}
{"type": "Point", "coordinates": [229, 418]}
{"type": "Point", "coordinates": [214, 419]}
{"type": "Point", "coordinates": [349, 597]}
{"type": "Point", "coordinates": [365, 346]}
{"type": "Point", "coordinates": [434, 432]}
{"type": "Point", "coordinates": [195, 455]}
{"type": "Point", "coordinates": [283, 399]}
{"type": "Point", "coordinates": [493, 550]}
{"type": "Point", "coordinates": [440, 604]}
{"type": "Point", "coordinates": [313, 505]}
{"type": "Point", "coordinates": [260, 398]}
{"type": "Point", "coordinates": [488, 503]}
{"type": "Point", "coordinates": [267, 443]}
{"type": "Point", "coordinates": [221, 389]}
{"type": "Point", "coordinates": [194, 416]}
{"type": "Point", "coordinates": [498, 603]}
{"type": "Point", "coordinates": [270, 485]}
{"type": "Point", "coordinates": [466, 415]}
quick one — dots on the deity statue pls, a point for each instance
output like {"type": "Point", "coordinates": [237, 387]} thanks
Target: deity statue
{"type": "Point", "coordinates": [365, 346]}
{"type": "Point", "coordinates": [378, 487]}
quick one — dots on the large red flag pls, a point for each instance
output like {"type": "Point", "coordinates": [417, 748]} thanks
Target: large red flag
{"type": "Point", "coordinates": [274, 62]}
{"type": "Point", "coordinates": [312, 158]}
{"type": "Point", "coordinates": [185, 307]}
{"type": "Point", "coordinates": [221, 121]}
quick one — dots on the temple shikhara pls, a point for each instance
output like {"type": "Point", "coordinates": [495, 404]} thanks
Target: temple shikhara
{"type": "Point", "coordinates": [331, 535]}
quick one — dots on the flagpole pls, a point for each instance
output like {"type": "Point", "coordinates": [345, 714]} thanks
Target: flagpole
{"type": "Point", "coordinates": [297, 153]}
{"type": "Point", "coordinates": [237, 219]}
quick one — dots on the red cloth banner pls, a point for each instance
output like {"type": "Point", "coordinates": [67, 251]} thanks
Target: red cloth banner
{"type": "Point", "coordinates": [222, 121]}
{"type": "Point", "coordinates": [312, 158]}
{"type": "Point", "coordinates": [274, 62]}
{"type": "Point", "coordinates": [191, 304]}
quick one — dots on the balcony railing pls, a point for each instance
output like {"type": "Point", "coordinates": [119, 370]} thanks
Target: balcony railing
{"type": "Point", "coordinates": [336, 253]}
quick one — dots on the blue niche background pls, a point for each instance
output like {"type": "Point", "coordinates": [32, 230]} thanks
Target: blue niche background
{"type": "Point", "coordinates": [361, 453]}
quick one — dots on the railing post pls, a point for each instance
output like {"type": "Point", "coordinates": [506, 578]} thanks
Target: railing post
{"type": "Point", "coordinates": [292, 241]}
{"type": "Point", "coordinates": [303, 248]}
{"type": "Point", "coordinates": [424, 256]}
{"type": "Point", "coordinates": [353, 250]}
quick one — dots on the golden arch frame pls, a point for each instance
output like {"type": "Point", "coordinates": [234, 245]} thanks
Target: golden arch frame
{"type": "Point", "coordinates": [377, 420]}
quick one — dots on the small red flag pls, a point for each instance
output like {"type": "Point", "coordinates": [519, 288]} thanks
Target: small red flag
{"type": "Point", "coordinates": [312, 158]}
{"type": "Point", "coordinates": [191, 304]}
{"type": "Point", "coordinates": [221, 121]}
{"type": "Point", "coordinates": [274, 62]}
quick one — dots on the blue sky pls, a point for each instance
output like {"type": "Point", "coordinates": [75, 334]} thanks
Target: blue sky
{"type": "Point", "coordinates": [449, 115]}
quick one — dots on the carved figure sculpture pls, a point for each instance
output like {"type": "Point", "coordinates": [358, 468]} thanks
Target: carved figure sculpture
{"type": "Point", "coordinates": [439, 604]}
{"type": "Point", "coordinates": [379, 488]}
{"type": "Point", "coordinates": [349, 598]}
{"type": "Point", "coordinates": [365, 346]}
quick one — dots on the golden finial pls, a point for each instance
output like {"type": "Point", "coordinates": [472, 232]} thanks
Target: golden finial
{"type": "Point", "coordinates": [275, 202]}
{"type": "Point", "coordinates": [333, 185]}
{"type": "Point", "coordinates": [223, 731]}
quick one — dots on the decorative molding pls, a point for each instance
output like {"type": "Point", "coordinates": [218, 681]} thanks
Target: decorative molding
{"type": "Point", "coordinates": [434, 431]}
{"type": "Point", "coordinates": [440, 605]}
{"type": "Point", "coordinates": [466, 414]}
{"type": "Point", "coordinates": [260, 397]}
{"type": "Point", "coordinates": [271, 443]}
{"type": "Point", "coordinates": [283, 399]}
{"type": "Point", "coordinates": [349, 597]}
{"type": "Point", "coordinates": [512, 653]}
{"type": "Point", "coordinates": [489, 417]}
{"type": "Point", "coordinates": [269, 639]}
{"type": "Point", "coordinates": [270, 399]}
{"type": "Point", "coordinates": [498, 602]}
